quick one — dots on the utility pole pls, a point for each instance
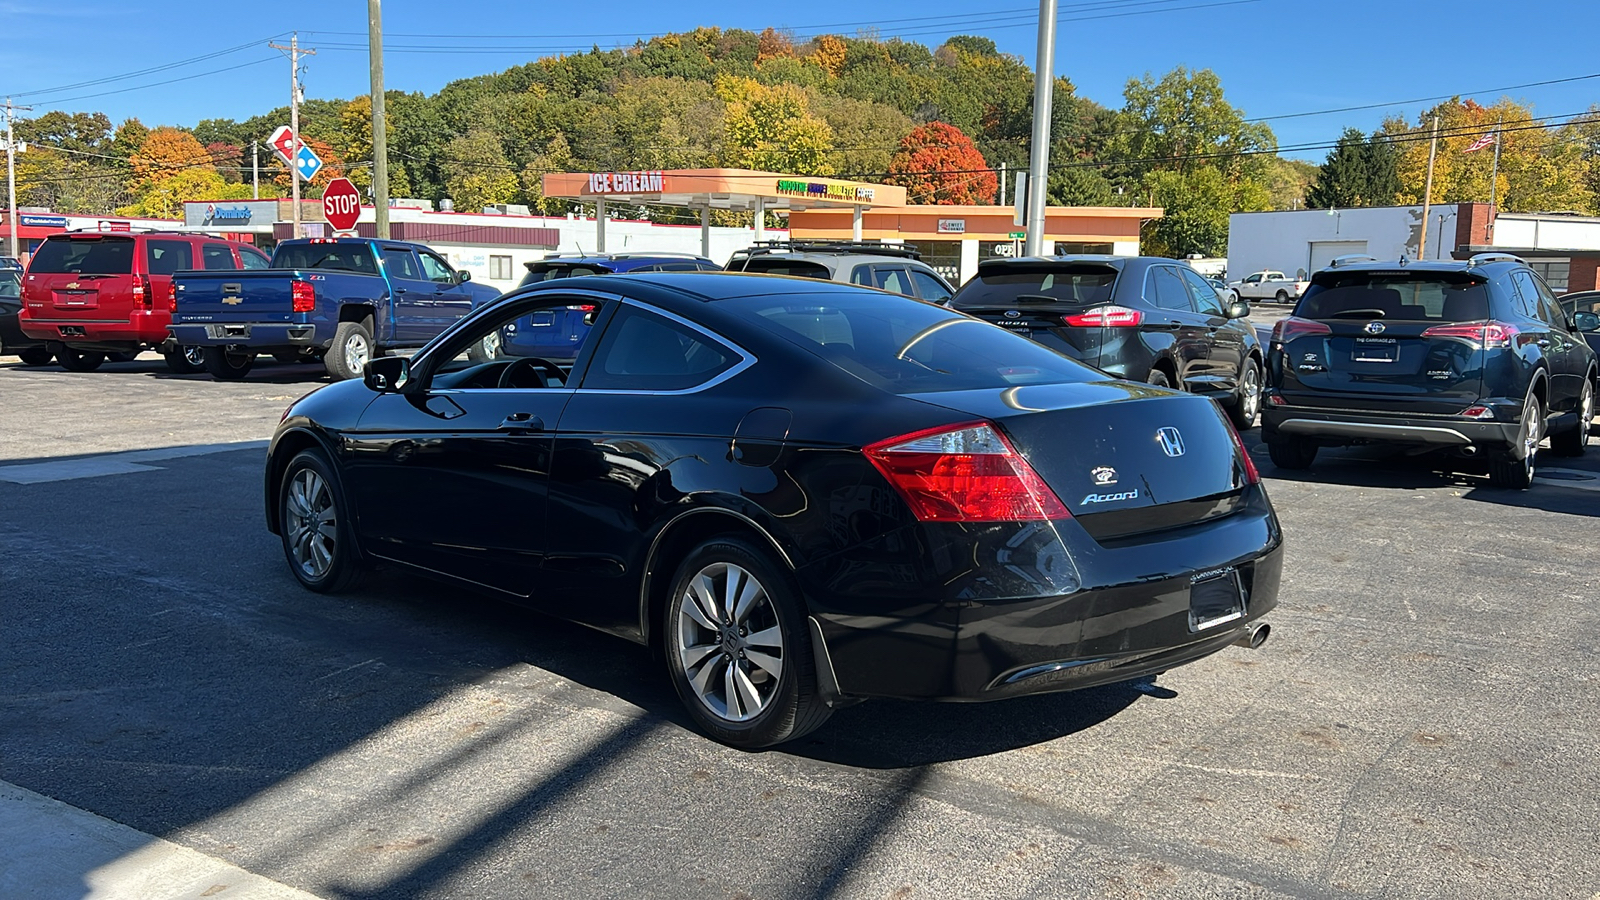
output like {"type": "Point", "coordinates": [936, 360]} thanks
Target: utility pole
{"type": "Point", "coordinates": [1427, 192]}
{"type": "Point", "coordinates": [295, 53]}
{"type": "Point", "coordinates": [255, 170]}
{"type": "Point", "coordinates": [1494, 180]}
{"type": "Point", "coordinates": [380, 138]}
{"type": "Point", "coordinates": [11, 172]}
{"type": "Point", "coordinates": [1044, 80]}
{"type": "Point", "coordinates": [1002, 185]}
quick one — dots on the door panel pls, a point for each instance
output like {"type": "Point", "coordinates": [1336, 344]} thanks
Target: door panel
{"type": "Point", "coordinates": [451, 300]}
{"type": "Point", "coordinates": [1174, 314]}
{"type": "Point", "coordinates": [413, 295]}
{"type": "Point", "coordinates": [1225, 341]}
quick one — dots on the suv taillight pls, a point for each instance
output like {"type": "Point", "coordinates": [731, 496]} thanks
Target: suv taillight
{"type": "Point", "coordinates": [1291, 327]}
{"type": "Point", "coordinates": [964, 473]}
{"type": "Point", "coordinates": [1107, 316]}
{"type": "Point", "coordinates": [305, 296]}
{"type": "Point", "coordinates": [1491, 335]}
{"type": "Point", "coordinates": [142, 295]}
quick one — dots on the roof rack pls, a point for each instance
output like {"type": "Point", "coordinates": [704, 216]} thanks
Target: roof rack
{"type": "Point", "coordinates": [1481, 259]}
{"type": "Point", "coordinates": [762, 248]}
{"type": "Point", "coordinates": [178, 231]}
{"type": "Point", "coordinates": [629, 254]}
{"type": "Point", "coordinates": [1350, 259]}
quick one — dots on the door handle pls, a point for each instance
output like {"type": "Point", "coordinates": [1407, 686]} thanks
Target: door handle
{"type": "Point", "coordinates": [521, 421]}
{"type": "Point", "coordinates": [401, 291]}
{"type": "Point", "coordinates": [1543, 342]}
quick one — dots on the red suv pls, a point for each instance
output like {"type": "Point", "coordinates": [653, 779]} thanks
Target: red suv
{"type": "Point", "coordinates": [87, 295]}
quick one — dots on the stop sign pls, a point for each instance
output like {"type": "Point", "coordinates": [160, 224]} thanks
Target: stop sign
{"type": "Point", "coordinates": [341, 204]}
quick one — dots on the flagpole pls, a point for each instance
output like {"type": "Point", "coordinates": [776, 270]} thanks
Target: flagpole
{"type": "Point", "coordinates": [1494, 180]}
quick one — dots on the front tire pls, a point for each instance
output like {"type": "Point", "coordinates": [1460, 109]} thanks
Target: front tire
{"type": "Point", "coordinates": [314, 522]}
{"type": "Point", "coordinates": [228, 365]}
{"type": "Point", "coordinates": [1247, 399]}
{"type": "Point", "coordinates": [185, 360]}
{"type": "Point", "coordinates": [75, 361]}
{"type": "Point", "coordinates": [1158, 378]}
{"type": "Point", "coordinates": [738, 649]}
{"type": "Point", "coordinates": [1289, 451]}
{"type": "Point", "coordinates": [1574, 441]}
{"type": "Point", "coordinates": [351, 348]}
{"type": "Point", "coordinates": [35, 356]}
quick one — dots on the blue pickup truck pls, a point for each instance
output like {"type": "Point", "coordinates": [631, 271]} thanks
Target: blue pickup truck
{"type": "Point", "coordinates": [341, 300]}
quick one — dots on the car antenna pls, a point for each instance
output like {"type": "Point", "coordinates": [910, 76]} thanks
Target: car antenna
{"type": "Point", "coordinates": [1403, 259]}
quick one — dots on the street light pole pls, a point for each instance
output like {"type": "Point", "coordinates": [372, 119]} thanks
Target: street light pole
{"type": "Point", "coordinates": [1044, 79]}
{"type": "Point", "coordinates": [380, 138]}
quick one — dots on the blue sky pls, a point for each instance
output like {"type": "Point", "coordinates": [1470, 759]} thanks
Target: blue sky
{"type": "Point", "coordinates": [1275, 57]}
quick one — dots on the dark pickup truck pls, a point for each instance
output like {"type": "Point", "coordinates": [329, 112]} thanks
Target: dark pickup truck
{"type": "Point", "coordinates": [343, 300]}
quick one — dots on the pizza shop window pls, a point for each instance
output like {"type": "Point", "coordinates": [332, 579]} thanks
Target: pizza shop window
{"type": "Point", "coordinates": [499, 268]}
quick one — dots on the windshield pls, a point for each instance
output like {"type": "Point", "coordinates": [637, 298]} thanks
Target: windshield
{"type": "Point", "coordinates": [538, 272]}
{"type": "Point", "coordinates": [906, 346]}
{"type": "Point", "coordinates": [84, 256]}
{"type": "Point", "coordinates": [342, 257]}
{"type": "Point", "coordinates": [1406, 296]}
{"type": "Point", "coordinates": [10, 283]}
{"type": "Point", "coordinates": [1079, 285]}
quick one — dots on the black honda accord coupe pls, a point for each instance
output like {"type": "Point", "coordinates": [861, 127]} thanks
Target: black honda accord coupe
{"type": "Point", "coordinates": [803, 494]}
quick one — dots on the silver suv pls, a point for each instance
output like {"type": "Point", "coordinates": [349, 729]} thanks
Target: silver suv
{"type": "Point", "coordinates": [896, 268]}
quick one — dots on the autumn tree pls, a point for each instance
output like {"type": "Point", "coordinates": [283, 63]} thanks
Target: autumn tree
{"type": "Point", "coordinates": [557, 157]}
{"type": "Point", "coordinates": [772, 128]}
{"type": "Point", "coordinates": [333, 166]}
{"type": "Point", "coordinates": [477, 173]}
{"type": "Point", "coordinates": [170, 167]}
{"type": "Point", "coordinates": [937, 163]}
{"type": "Point", "coordinates": [355, 145]}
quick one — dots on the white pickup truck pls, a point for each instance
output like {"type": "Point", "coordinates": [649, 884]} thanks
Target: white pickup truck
{"type": "Point", "coordinates": [1270, 285]}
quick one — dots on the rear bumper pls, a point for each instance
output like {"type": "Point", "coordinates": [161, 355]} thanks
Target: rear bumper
{"type": "Point", "coordinates": [1344, 427]}
{"type": "Point", "coordinates": [143, 328]}
{"type": "Point", "coordinates": [265, 335]}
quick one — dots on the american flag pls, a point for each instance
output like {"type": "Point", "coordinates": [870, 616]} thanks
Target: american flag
{"type": "Point", "coordinates": [1481, 143]}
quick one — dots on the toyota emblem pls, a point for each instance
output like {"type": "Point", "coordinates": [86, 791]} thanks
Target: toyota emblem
{"type": "Point", "coordinates": [1374, 328]}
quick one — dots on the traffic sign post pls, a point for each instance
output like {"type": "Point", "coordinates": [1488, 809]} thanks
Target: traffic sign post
{"type": "Point", "coordinates": [341, 204]}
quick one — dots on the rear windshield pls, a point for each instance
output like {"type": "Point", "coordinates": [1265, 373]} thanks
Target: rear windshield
{"type": "Point", "coordinates": [83, 256]}
{"type": "Point", "coordinates": [1406, 296]}
{"type": "Point", "coordinates": [1080, 285]}
{"type": "Point", "coordinates": [769, 265]}
{"type": "Point", "coordinates": [10, 283]}
{"type": "Point", "coordinates": [342, 257]}
{"type": "Point", "coordinates": [538, 272]}
{"type": "Point", "coordinates": [906, 346]}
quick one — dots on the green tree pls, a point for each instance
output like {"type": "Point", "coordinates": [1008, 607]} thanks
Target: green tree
{"type": "Point", "coordinates": [1196, 203]}
{"type": "Point", "coordinates": [772, 128]}
{"type": "Point", "coordinates": [1183, 122]}
{"type": "Point", "coordinates": [1359, 171]}
{"type": "Point", "coordinates": [557, 157]}
{"type": "Point", "coordinates": [477, 173]}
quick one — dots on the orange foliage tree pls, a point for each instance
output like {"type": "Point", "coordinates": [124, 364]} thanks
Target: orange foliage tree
{"type": "Point", "coordinates": [938, 163]}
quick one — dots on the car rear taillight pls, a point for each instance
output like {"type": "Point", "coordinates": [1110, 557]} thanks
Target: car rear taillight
{"type": "Point", "coordinates": [1251, 476]}
{"type": "Point", "coordinates": [305, 296]}
{"type": "Point", "coordinates": [142, 295]}
{"type": "Point", "coordinates": [964, 473]}
{"type": "Point", "coordinates": [1483, 413]}
{"type": "Point", "coordinates": [1291, 327]}
{"type": "Point", "coordinates": [1491, 335]}
{"type": "Point", "coordinates": [1107, 317]}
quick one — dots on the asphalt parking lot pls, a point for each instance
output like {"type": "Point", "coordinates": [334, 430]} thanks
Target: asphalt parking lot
{"type": "Point", "coordinates": [1423, 723]}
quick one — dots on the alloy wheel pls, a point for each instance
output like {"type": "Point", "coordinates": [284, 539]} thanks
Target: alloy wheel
{"type": "Point", "coordinates": [194, 356]}
{"type": "Point", "coordinates": [491, 345]}
{"type": "Point", "coordinates": [729, 642]}
{"type": "Point", "coordinates": [356, 352]}
{"type": "Point", "coordinates": [1532, 433]}
{"type": "Point", "coordinates": [312, 523]}
{"type": "Point", "coordinates": [1250, 393]}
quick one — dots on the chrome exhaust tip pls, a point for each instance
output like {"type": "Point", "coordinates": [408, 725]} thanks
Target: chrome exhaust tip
{"type": "Point", "coordinates": [1254, 636]}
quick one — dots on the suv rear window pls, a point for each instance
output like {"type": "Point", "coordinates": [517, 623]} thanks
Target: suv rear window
{"type": "Point", "coordinates": [342, 257]}
{"type": "Point", "coordinates": [907, 346]}
{"type": "Point", "coordinates": [769, 265]}
{"type": "Point", "coordinates": [1406, 296]}
{"type": "Point", "coordinates": [83, 256]}
{"type": "Point", "coordinates": [1079, 285]}
{"type": "Point", "coordinates": [538, 272]}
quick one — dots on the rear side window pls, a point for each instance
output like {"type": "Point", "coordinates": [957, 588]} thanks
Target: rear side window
{"type": "Point", "coordinates": [1407, 296]}
{"type": "Point", "coordinates": [165, 257]}
{"type": "Point", "coordinates": [768, 265]}
{"type": "Point", "coordinates": [95, 256]}
{"type": "Point", "coordinates": [645, 352]}
{"type": "Point", "coordinates": [538, 272]}
{"type": "Point", "coordinates": [906, 346]}
{"type": "Point", "coordinates": [1163, 287]}
{"type": "Point", "coordinates": [217, 256]}
{"type": "Point", "coordinates": [339, 257]}
{"type": "Point", "coordinates": [1078, 285]}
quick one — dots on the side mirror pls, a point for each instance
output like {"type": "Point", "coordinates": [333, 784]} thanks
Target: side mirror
{"type": "Point", "coordinates": [463, 276]}
{"type": "Point", "coordinates": [1586, 321]}
{"type": "Point", "coordinates": [1238, 309]}
{"type": "Point", "coordinates": [386, 374]}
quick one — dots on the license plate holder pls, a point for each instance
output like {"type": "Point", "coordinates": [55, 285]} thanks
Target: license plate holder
{"type": "Point", "coordinates": [1375, 350]}
{"type": "Point", "coordinates": [1215, 599]}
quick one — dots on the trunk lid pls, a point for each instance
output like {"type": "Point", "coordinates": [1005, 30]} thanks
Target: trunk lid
{"type": "Point", "coordinates": [1035, 299]}
{"type": "Point", "coordinates": [1125, 458]}
{"type": "Point", "coordinates": [1374, 339]}
{"type": "Point", "coordinates": [83, 276]}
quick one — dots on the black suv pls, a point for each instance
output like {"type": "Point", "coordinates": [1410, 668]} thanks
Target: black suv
{"type": "Point", "coordinates": [1143, 318]}
{"type": "Point", "coordinates": [1474, 357]}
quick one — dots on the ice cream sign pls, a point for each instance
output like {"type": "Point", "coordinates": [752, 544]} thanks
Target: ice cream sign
{"type": "Point", "coordinates": [624, 183]}
{"type": "Point", "coordinates": [822, 190]}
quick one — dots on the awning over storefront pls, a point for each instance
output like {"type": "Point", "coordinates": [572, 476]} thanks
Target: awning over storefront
{"type": "Point", "coordinates": [1075, 224]}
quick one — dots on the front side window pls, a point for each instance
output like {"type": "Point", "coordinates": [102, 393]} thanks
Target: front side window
{"type": "Point", "coordinates": [642, 351]}
{"type": "Point", "coordinates": [166, 257]}
{"type": "Point", "coordinates": [1204, 295]}
{"type": "Point", "coordinates": [931, 288]}
{"type": "Point", "coordinates": [217, 256]}
{"type": "Point", "coordinates": [1163, 287]}
{"type": "Point", "coordinates": [502, 351]}
{"type": "Point", "coordinates": [436, 270]}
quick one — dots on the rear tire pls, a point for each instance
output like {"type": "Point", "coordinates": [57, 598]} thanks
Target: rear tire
{"type": "Point", "coordinates": [1247, 399]}
{"type": "Point", "coordinates": [185, 360]}
{"type": "Point", "coordinates": [290, 357]}
{"type": "Point", "coordinates": [35, 356]}
{"type": "Point", "coordinates": [74, 361]}
{"type": "Point", "coordinates": [350, 351]}
{"type": "Point", "coordinates": [1574, 441]}
{"type": "Point", "coordinates": [1514, 468]}
{"type": "Point", "coordinates": [1283, 297]}
{"type": "Point", "coordinates": [1290, 451]}
{"type": "Point", "coordinates": [1158, 378]}
{"type": "Point", "coordinates": [226, 365]}
{"type": "Point", "coordinates": [734, 616]}
{"type": "Point", "coordinates": [314, 522]}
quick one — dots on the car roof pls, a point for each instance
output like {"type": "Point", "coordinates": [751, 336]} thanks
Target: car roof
{"type": "Point", "coordinates": [707, 286]}
{"type": "Point", "coordinates": [1116, 262]}
{"type": "Point", "coordinates": [1426, 265]}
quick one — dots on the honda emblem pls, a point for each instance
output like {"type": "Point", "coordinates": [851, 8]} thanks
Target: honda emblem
{"type": "Point", "coordinates": [1171, 441]}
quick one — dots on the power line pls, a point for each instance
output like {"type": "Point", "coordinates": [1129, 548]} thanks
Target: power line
{"type": "Point", "coordinates": [152, 84]}
{"type": "Point", "coordinates": [150, 71]}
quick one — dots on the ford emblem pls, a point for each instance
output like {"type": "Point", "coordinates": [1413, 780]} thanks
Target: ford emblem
{"type": "Point", "coordinates": [1012, 314]}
